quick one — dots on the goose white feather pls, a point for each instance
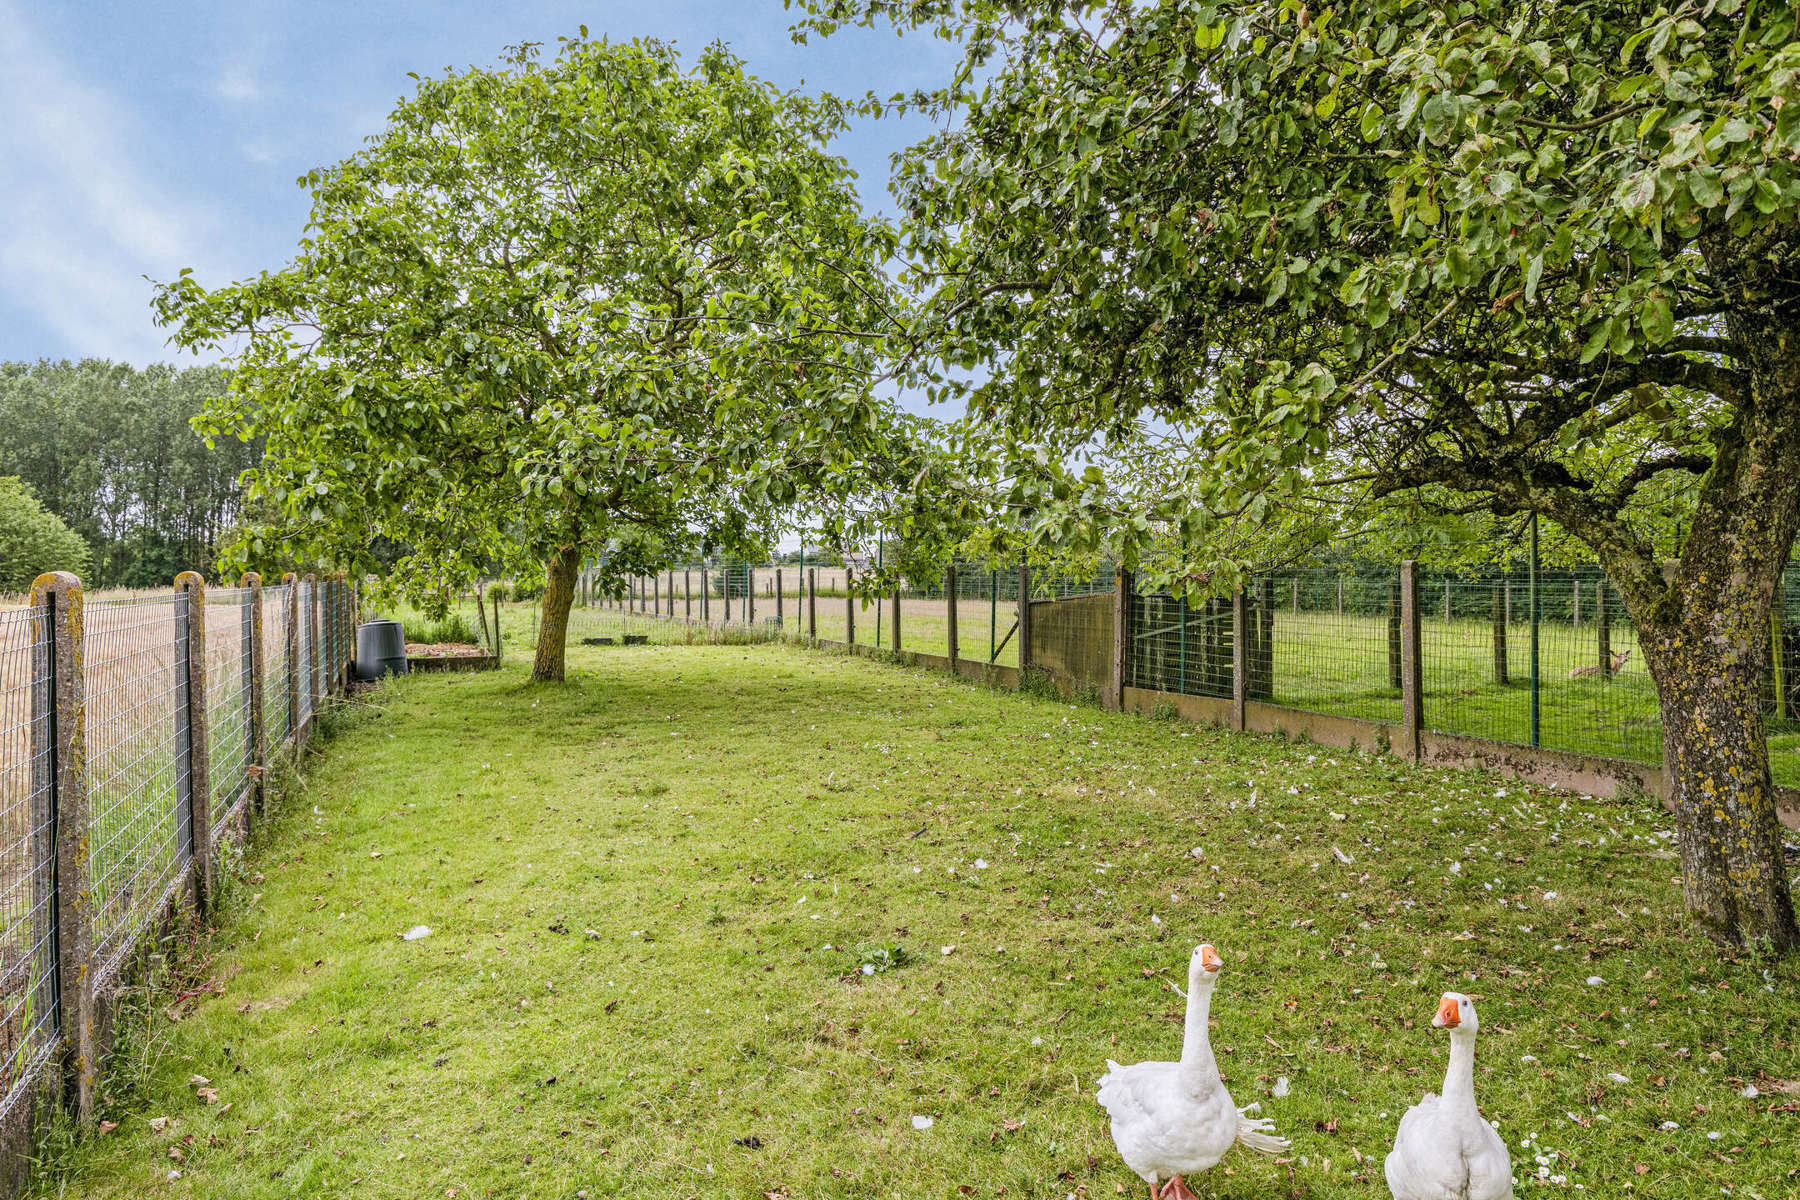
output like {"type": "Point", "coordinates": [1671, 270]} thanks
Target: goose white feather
{"type": "Point", "coordinates": [1171, 1119]}
{"type": "Point", "coordinates": [1444, 1150]}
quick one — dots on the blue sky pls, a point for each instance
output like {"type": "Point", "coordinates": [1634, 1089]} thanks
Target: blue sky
{"type": "Point", "coordinates": [141, 138]}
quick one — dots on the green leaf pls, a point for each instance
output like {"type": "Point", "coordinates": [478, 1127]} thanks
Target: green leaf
{"type": "Point", "coordinates": [1657, 320]}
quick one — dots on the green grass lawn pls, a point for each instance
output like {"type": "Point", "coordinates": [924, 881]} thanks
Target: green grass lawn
{"type": "Point", "coordinates": [652, 891]}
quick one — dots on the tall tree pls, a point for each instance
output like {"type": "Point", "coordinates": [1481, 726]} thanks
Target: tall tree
{"type": "Point", "coordinates": [1536, 258]}
{"type": "Point", "coordinates": [557, 302]}
{"type": "Point", "coordinates": [110, 449]}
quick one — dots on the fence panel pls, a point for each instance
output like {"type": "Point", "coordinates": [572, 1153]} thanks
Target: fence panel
{"type": "Point", "coordinates": [1179, 647]}
{"type": "Point", "coordinates": [276, 717]}
{"type": "Point", "coordinates": [227, 705]}
{"type": "Point", "coordinates": [27, 852]}
{"type": "Point", "coordinates": [1326, 641]}
{"type": "Point", "coordinates": [303, 654]}
{"type": "Point", "coordinates": [135, 681]}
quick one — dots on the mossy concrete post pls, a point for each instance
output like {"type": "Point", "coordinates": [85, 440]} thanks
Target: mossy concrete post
{"type": "Point", "coordinates": [63, 831]}
{"type": "Point", "coordinates": [950, 610]}
{"type": "Point", "coordinates": [687, 594]}
{"type": "Point", "coordinates": [812, 603]}
{"type": "Point", "coordinates": [1121, 640]}
{"type": "Point", "coordinates": [1500, 607]}
{"type": "Point", "coordinates": [292, 683]}
{"type": "Point", "coordinates": [849, 606]}
{"type": "Point", "coordinates": [1024, 622]}
{"type": "Point", "coordinates": [1240, 656]}
{"type": "Point", "coordinates": [190, 656]}
{"type": "Point", "coordinates": [749, 595]}
{"type": "Point", "coordinates": [253, 674]}
{"type": "Point", "coordinates": [780, 602]}
{"type": "Point", "coordinates": [1412, 667]}
{"type": "Point", "coordinates": [894, 623]}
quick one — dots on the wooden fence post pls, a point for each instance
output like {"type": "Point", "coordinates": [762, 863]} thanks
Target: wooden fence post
{"type": "Point", "coordinates": [1240, 656]}
{"type": "Point", "coordinates": [812, 603]}
{"type": "Point", "coordinates": [259, 733]}
{"type": "Point", "coordinates": [190, 656]}
{"type": "Point", "coordinates": [1121, 637]}
{"type": "Point", "coordinates": [1024, 622]}
{"type": "Point", "coordinates": [849, 606]}
{"type": "Point", "coordinates": [59, 734]}
{"type": "Point", "coordinates": [1500, 607]}
{"type": "Point", "coordinates": [1412, 667]}
{"type": "Point", "coordinates": [950, 610]}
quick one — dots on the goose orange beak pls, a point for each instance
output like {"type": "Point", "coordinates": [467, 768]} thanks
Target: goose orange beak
{"type": "Point", "coordinates": [1209, 959]}
{"type": "Point", "coordinates": [1447, 1015]}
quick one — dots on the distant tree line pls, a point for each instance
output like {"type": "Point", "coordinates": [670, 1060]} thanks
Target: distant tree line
{"type": "Point", "coordinates": [108, 449]}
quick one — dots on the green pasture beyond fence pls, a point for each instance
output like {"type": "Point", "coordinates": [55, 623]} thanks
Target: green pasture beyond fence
{"type": "Point", "coordinates": [1550, 662]}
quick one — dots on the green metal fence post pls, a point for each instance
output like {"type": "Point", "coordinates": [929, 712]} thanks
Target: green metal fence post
{"type": "Point", "coordinates": [1534, 629]}
{"type": "Point", "coordinates": [993, 614]}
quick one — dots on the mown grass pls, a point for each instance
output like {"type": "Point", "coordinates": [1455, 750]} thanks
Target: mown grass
{"type": "Point", "coordinates": [651, 892]}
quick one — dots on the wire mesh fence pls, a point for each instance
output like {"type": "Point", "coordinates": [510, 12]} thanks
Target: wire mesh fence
{"type": "Point", "coordinates": [156, 696]}
{"type": "Point", "coordinates": [276, 722]}
{"type": "Point", "coordinates": [229, 667]}
{"type": "Point", "coordinates": [27, 980]}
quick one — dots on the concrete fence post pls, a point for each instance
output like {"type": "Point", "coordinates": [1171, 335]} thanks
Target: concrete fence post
{"type": "Point", "coordinates": [950, 610]}
{"type": "Point", "coordinates": [253, 644]}
{"type": "Point", "coordinates": [780, 602]}
{"type": "Point", "coordinates": [687, 594]}
{"type": "Point", "coordinates": [812, 603]}
{"type": "Point", "coordinates": [1240, 656]}
{"type": "Point", "coordinates": [895, 621]}
{"type": "Point", "coordinates": [292, 683]}
{"type": "Point", "coordinates": [192, 750]}
{"type": "Point", "coordinates": [1121, 640]}
{"type": "Point", "coordinates": [60, 722]}
{"type": "Point", "coordinates": [1024, 622]}
{"type": "Point", "coordinates": [849, 606]}
{"type": "Point", "coordinates": [1412, 667]}
{"type": "Point", "coordinates": [749, 595]}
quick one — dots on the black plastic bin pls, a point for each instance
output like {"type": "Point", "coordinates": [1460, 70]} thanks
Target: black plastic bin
{"type": "Point", "coordinates": [380, 650]}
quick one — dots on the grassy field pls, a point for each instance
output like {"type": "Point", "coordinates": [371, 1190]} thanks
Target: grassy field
{"type": "Point", "coordinates": [652, 894]}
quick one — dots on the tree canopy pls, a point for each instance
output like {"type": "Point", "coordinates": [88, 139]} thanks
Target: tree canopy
{"type": "Point", "coordinates": [602, 302]}
{"type": "Point", "coordinates": [1449, 258]}
{"type": "Point", "coordinates": [109, 449]}
{"type": "Point", "coordinates": [33, 541]}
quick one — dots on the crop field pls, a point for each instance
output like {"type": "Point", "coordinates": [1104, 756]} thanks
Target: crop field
{"type": "Point", "coordinates": [756, 921]}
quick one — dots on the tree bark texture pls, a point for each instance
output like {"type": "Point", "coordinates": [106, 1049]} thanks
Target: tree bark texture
{"type": "Point", "coordinates": [553, 633]}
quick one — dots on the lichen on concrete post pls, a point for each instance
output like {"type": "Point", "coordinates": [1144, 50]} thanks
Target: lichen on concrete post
{"type": "Point", "coordinates": [58, 598]}
{"type": "Point", "coordinates": [950, 610]}
{"type": "Point", "coordinates": [812, 603]}
{"type": "Point", "coordinates": [191, 629]}
{"type": "Point", "coordinates": [1240, 657]}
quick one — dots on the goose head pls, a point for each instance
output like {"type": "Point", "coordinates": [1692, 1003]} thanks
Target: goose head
{"type": "Point", "coordinates": [1456, 1012]}
{"type": "Point", "coordinates": [1204, 966]}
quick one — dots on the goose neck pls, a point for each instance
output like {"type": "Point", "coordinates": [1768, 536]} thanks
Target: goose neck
{"type": "Point", "coordinates": [1459, 1076]}
{"type": "Point", "coordinates": [1196, 1043]}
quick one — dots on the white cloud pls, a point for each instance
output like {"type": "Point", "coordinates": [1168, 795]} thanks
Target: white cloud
{"type": "Point", "coordinates": [238, 82]}
{"type": "Point", "coordinates": [81, 221]}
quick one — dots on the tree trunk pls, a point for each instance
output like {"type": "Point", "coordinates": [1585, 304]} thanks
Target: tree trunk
{"type": "Point", "coordinates": [1716, 753]}
{"type": "Point", "coordinates": [553, 633]}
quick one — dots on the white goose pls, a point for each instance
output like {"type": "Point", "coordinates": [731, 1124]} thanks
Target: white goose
{"type": "Point", "coordinates": [1444, 1150]}
{"type": "Point", "coordinates": [1171, 1119]}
